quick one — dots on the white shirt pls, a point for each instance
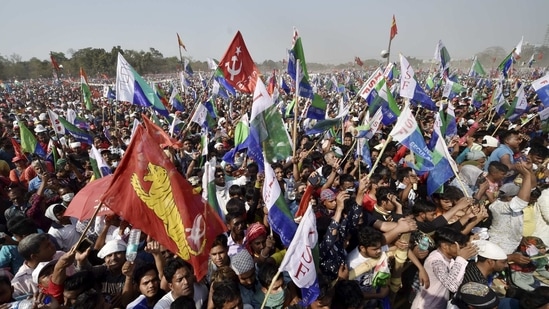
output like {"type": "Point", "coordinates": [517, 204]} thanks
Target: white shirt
{"type": "Point", "coordinates": [354, 259]}
{"type": "Point", "coordinates": [66, 235]}
{"type": "Point", "coordinates": [507, 221]}
{"type": "Point", "coordinates": [222, 193]}
{"type": "Point", "coordinates": [200, 297]}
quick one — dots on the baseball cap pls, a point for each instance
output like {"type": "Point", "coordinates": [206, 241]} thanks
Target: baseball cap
{"type": "Point", "coordinates": [475, 155]}
{"type": "Point", "coordinates": [508, 190]}
{"type": "Point", "coordinates": [489, 141]}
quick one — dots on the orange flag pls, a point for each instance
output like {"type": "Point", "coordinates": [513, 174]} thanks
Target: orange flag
{"type": "Point", "coordinates": [149, 192]}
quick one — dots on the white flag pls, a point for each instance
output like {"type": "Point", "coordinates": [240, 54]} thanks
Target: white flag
{"type": "Point", "coordinates": [58, 127]}
{"type": "Point", "coordinates": [298, 260]}
{"type": "Point", "coordinates": [407, 81]}
{"type": "Point", "coordinates": [200, 114]}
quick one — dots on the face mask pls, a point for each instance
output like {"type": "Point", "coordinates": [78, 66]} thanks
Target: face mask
{"type": "Point", "coordinates": [67, 197]}
{"type": "Point", "coordinates": [275, 300]}
{"type": "Point", "coordinates": [126, 142]}
{"type": "Point", "coordinates": [114, 163]}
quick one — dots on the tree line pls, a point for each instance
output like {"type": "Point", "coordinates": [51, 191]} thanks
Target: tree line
{"type": "Point", "coordinates": [98, 63]}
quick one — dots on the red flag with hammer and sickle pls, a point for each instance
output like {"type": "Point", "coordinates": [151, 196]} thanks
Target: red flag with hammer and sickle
{"type": "Point", "coordinates": [238, 67]}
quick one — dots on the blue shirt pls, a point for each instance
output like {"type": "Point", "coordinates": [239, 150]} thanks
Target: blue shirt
{"type": "Point", "coordinates": [495, 156]}
{"type": "Point", "coordinates": [34, 184]}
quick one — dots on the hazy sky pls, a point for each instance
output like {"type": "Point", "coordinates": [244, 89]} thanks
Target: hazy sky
{"type": "Point", "coordinates": [331, 31]}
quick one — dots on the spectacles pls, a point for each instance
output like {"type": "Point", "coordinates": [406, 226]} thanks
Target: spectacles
{"type": "Point", "coordinates": [219, 175]}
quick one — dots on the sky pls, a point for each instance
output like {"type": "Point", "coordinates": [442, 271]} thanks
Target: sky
{"type": "Point", "coordinates": [332, 32]}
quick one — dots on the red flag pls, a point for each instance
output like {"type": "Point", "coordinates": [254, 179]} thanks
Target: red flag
{"type": "Point", "coordinates": [238, 67]}
{"type": "Point", "coordinates": [540, 56]}
{"type": "Point", "coordinates": [394, 30]}
{"type": "Point", "coordinates": [159, 135]}
{"type": "Point", "coordinates": [149, 192]}
{"type": "Point", "coordinates": [358, 61]}
{"type": "Point", "coordinates": [304, 203]}
{"type": "Point", "coordinates": [272, 84]}
{"type": "Point", "coordinates": [54, 63]}
{"type": "Point", "coordinates": [17, 148]}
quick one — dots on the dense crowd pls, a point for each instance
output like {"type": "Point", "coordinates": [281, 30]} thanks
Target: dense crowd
{"type": "Point", "coordinates": [383, 242]}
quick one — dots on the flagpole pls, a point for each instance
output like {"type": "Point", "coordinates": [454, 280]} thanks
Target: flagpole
{"type": "Point", "coordinates": [294, 129]}
{"type": "Point", "coordinates": [389, 53]}
{"type": "Point", "coordinates": [83, 235]}
{"type": "Point", "coordinates": [274, 280]}
{"type": "Point", "coordinates": [389, 139]}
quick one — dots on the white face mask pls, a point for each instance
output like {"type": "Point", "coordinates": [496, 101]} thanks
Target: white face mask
{"type": "Point", "coordinates": [126, 142]}
{"type": "Point", "coordinates": [114, 163]}
{"type": "Point", "coordinates": [67, 197]}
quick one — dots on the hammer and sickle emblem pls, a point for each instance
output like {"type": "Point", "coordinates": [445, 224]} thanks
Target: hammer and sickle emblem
{"type": "Point", "coordinates": [232, 69]}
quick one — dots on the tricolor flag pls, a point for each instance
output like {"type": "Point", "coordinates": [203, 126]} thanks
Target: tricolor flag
{"type": "Point", "coordinates": [410, 88]}
{"type": "Point", "coordinates": [176, 101]}
{"type": "Point", "coordinates": [541, 86]}
{"type": "Point", "coordinates": [208, 187]}
{"type": "Point", "coordinates": [79, 134]}
{"type": "Point", "coordinates": [99, 166]}
{"type": "Point", "coordinates": [476, 68]}
{"type": "Point", "coordinates": [406, 131]}
{"type": "Point", "coordinates": [298, 260]}
{"type": "Point", "coordinates": [267, 130]}
{"type": "Point", "coordinates": [132, 88]}
{"type": "Point", "coordinates": [394, 29]}
{"type": "Point", "coordinates": [505, 65]}
{"type": "Point", "coordinates": [518, 106]}
{"type": "Point", "coordinates": [187, 67]}
{"type": "Point", "coordinates": [238, 67]}
{"type": "Point", "coordinates": [317, 109]}
{"type": "Point", "coordinates": [442, 55]}
{"type": "Point", "coordinates": [85, 87]}
{"type": "Point", "coordinates": [149, 193]}
{"type": "Point", "coordinates": [451, 89]}
{"type": "Point", "coordinates": [381, 98]}
{"type": "Point", "coordinates": [180, 43]}
{"type": "Point", "coordinates": [442, 160]}
{"type": "Point", "coordinates": [296, 53]}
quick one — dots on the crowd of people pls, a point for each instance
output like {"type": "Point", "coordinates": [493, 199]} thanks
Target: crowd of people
{"type": "Point", "coordinates": [383, 242]}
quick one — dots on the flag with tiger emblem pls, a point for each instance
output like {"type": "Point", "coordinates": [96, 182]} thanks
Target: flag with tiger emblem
{"type": "Point", "coordinates": [149, 192]}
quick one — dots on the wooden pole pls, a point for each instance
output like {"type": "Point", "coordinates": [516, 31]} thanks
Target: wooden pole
{"type": "Point", "coordinates": [92, 219]}
{"type": "Point", "coordinates": [389, 139]}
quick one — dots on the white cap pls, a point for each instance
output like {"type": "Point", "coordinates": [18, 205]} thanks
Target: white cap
{"type": "Point", "coordinates": [111, 247]}
{"type": "Point", "coordinates": [36, 272]}
{"type": "Point", "coordinates": [42, 117]}
{"type": "Point", "coordinates": [39, 128]}
{"type": "Point", "coordinates": [490, 250]}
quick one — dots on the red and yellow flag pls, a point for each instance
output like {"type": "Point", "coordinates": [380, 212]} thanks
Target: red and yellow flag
{"type": "Point", "coordinates": [149, 192]}
{"type": "Point", "coordinates": [394, 30]}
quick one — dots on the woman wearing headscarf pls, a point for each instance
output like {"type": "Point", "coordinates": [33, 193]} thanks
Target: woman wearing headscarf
{"type": "Point", "coordinates": [63, 228]}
